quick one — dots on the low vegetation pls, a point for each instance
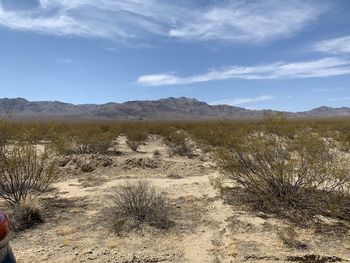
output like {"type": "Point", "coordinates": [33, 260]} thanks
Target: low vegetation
{"type": "Point", "coordinates": [88, 141]}
{"type": "Point", "coordinates": [135, 139]}
{"type": "Point", "coordinates": [294, 168]}
{"type": "Point", "coordinates": [25, 174]}
{"type": "Point", "coordinates": [134, 205]}
{"type": "Point", "coordinates": [297, 171]}
{"type": "Point", "coordinates": [26, 214]}
{"type": "Point", "coordinates": [178, 144]}
{"type": "Point", "coordinates": [290, 238]}
{"type": "Point", "coordinates": [298, 176]}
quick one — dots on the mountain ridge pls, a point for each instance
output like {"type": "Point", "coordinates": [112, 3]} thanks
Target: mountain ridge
{"type": "Point", "coordinates": [170, 108]}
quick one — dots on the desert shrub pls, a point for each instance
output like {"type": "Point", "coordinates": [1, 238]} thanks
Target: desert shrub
{"type": "Point", "coordinates": [178, 144]}
{"type": "Point", "coordinates": [217, 182]}
{"type": "Point", "coordinates": [135, 138]}
{"type": "Point", "coordinates": [136, 204]}
{"type": "Point", "coordinates": [344, 141]}
{"type": "Point", "coordinates": [278, 124]}
{"type": "Point", "coordinates": [89, 145]}
{"type": "Point", "coordinates": [289, 237]}
{"type": "Point", "coordinates": [299, 176]}
{"type": "Point", "coordinates": [24, 173]}
{"type": "Point", "coordinates": [25, 214]}
{"type": "Point", "coordinates": [86, 141]}
{"type": "Point", "coordinates": [6, 132]}
{"type": "Point", "coordinates": [62, 145]}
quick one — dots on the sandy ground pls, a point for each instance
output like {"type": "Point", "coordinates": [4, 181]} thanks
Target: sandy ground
{"type": "Point", "coordinates": [206, 229]}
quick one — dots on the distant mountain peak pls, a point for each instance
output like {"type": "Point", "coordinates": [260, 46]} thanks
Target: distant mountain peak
{"type": "Point", "coordinates": [325, 111]}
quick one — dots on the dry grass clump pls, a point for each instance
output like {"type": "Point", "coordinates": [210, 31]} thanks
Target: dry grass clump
{"type": "Point", "coordinates": [25, 214]}
{"type": "Point", "coordinates": [295, 176]}
{"type": "Point", "coordinates": [289, 237]}
{"type": "Point", "coordinates": [217, 182]}
{"type": "Point", "coordinates": [134, 205]}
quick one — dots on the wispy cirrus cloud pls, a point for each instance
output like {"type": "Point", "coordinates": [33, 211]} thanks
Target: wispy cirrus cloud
{"type": "Point", "coordinates": [328, 89]}
{"type": "Point", "coordinates": [256, 21]}
{"type": "Point", "coordinates": [242, 101]}
{"type": "Point", "coordinates": [236, 21]}
{"type": "Point", "coordinates": [92, 18]}
{"type": "Point", "coordinates": [339, 45]}
{"type": "Point", "coordinates": [325, 67]}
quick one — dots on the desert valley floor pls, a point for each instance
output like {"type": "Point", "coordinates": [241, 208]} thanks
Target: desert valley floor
{"type": "Point", "coordinates": [206, 229]}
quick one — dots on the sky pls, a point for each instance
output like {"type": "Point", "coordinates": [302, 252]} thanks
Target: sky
{"type": "Point", "coordinates": [290, 55]}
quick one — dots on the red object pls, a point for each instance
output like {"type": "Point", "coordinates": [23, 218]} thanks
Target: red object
{"type": "Point", "coordinates": [4, 226]}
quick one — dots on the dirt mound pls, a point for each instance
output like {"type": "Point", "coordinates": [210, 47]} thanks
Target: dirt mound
{"type": "Point", "coordinates": [85, 163]}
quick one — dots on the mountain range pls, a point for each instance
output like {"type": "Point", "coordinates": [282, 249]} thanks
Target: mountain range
{"type": "Point", "coordinates": [164, 109]}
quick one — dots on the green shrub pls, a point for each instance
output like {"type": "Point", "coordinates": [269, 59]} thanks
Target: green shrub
{"type": "Point", "coordinates": [24, 173]}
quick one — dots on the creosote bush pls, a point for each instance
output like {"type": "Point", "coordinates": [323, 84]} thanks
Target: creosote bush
{"type": "Point", "coordinates": [177, 143]}
{"type": "Point", "coordinates": [135, 138]}
{"type": "Point", "coordinates": [297, 176]}
{"type": "Point", "coordinates": [5, 132]}
{"type": "Point", "coordinates": [88, 141]}
{"type": "Point", "coordinates": [136, 204]}
{"type": "Point", "coordinates": [25, 173]}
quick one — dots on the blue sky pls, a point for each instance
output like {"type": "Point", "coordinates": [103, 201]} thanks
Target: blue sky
{"type": "Point", "coordinates": [287, 55]}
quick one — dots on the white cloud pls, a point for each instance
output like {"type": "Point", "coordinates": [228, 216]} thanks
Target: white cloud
{"type": "Point", "coordinates": [240, 101]}
{"type": "Point", "coordinates": [306, 69]}
{"type": "Point", "coordinates": [91, 18]}
{"type": "Point", "coordinates": [247, 21]}
{"type": "Point", "coordinates": [336, 46]}
{"type": "Point", "coordinates": [253, 21]}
